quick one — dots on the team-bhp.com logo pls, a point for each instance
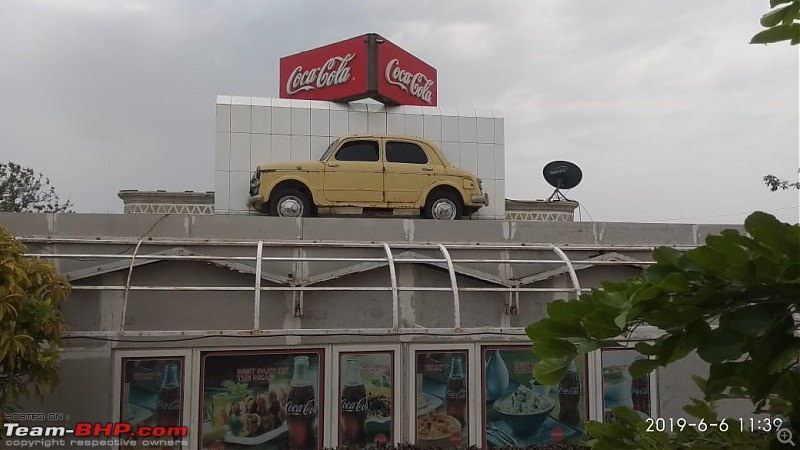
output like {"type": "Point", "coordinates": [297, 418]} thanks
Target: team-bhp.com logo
{"type": "Point", "coordinates": [97, 429]}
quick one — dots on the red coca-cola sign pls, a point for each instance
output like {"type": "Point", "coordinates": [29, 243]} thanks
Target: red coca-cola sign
{"type": "Point", "coordinates": [403, 78]}
{"type": "Point", "coordinates": [367, 66]}
{"type": "Point", "coordinates": [335, 72]}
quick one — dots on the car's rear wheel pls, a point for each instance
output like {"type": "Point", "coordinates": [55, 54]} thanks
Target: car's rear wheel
{"type": "Point", "coordinates": [290, 203]}
{"type": "Point", "coordinates": [443, 206]}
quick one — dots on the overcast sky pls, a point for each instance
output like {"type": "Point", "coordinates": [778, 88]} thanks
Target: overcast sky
{"type": "Point", "coordinates": [665, 106]}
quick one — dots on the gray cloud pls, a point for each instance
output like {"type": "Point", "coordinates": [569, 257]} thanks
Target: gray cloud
{"type": "Point", "coordinates": [668, 110]}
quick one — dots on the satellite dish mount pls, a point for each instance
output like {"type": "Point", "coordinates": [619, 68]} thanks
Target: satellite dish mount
{"type": "Point", "coordinates": [561, 175]}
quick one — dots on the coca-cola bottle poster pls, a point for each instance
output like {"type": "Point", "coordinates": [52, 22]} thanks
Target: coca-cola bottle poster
{"type": "Point", "coordinates": [619, 388]}
{"type": "Point", "coordinates": [520, 412]}
{"type": "Point", "coordinates": [152, 395]}
{"type": "Point", "coordinates": [442, 398]}
{"type": "Point", "coordinates": [262, 400]}
{"type": "Point", "coordinates": [365, 399]}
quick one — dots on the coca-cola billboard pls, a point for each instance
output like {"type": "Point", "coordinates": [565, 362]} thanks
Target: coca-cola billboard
{"type": "Point", "coordinates": [335, 72]}
{"type": "Point", "coordinates": [367, 66]}
{"type": "Point", "coordinates": [152, 393]}
{"type": "Point", "coordinates": [404, 79]}
{"type": "Point", "coordinates": [262, 399]}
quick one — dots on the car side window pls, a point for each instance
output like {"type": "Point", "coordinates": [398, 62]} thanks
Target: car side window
{"type": "Point", "coordinates": [405, 152]}
{"type": "Point", "coordinates": [366, 151]}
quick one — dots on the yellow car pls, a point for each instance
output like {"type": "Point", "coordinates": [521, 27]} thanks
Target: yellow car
{"type": "Point", "coordinates": [362, 174]}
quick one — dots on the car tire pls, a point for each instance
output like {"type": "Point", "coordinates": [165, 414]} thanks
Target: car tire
{"type": "Point", "coordinates": [443, 206]}
{"type": "Point", "coordinates": [290, 203]}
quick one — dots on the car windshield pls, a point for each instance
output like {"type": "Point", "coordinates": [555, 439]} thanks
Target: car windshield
{"type": "Point", "coordinates": [328, 151]}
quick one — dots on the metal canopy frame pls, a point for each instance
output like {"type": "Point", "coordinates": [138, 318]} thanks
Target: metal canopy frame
{"type": "Point", "coordinates": [389, 259]}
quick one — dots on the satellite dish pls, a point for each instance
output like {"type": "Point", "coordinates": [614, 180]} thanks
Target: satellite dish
{"type": "Point", "coordinates": [562, 175]}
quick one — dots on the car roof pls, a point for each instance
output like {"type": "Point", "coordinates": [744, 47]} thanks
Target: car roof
{"type": "Point", "coordinates": [383, 136]}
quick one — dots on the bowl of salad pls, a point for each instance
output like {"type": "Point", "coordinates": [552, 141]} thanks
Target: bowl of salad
{"type": "Point", "coordinates": [524, 411]}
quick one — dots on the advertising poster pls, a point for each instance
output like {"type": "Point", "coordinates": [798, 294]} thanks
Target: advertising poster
{"type": "Point", "coordinates": [619, 389]}
{"type": "Point", "coordinates": [262, 400]}
{"type": "Point", "coordinates": [366, 399]}
{"type": "Point", "coordinates": [442, 398]}
{"type": "Point", "coordinates": [519, 412]}
{"type": "Point", "coordinates": [152, 394]}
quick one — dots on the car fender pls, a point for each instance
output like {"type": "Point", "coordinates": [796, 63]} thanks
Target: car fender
{"type": "Point", "coordinates": [437, 184]}
{"type": "Point", "coordinates": [316, 194]}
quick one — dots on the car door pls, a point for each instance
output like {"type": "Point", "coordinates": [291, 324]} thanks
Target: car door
{"type": "Point", "coordinates": [354, 173]}
{"type": "Point", "coordinates": [409, 169]}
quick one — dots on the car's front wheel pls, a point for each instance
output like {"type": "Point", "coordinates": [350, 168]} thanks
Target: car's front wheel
{"type": "Point", "coordinates": [443, 206]}
{"type": "Point", "coordinates": [290, 203]}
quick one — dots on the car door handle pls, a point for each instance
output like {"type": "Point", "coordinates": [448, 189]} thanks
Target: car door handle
{"type": "Point", "coordinates": [428, 169]}
{"type": "Point", "coordinates": [333, 165]}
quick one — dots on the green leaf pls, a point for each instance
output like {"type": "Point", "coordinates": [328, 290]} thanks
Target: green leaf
{"type": "Point", "coordinates": [553, 348]}
{"type": "Point", "coordinates": [646, 292]}
{"type": "Point", "coordinates": [792, 13]}
{"type": "Point", "coordinates": [765, 228]}
{"type": "Point", "coordinates": [550, 371]}
{"type": "Point", "coordinates": [774, 3]}
{"type": "Point", "coordinates": [568, 311]}
{"type": "Point", "coordinates": [550, 328]}
{"type": "Point", "coordinates": [753, 320]}
{"type": "Point", "coordinates": [701, 410]}
{"type": "Point", "coordinates": [642, 367]}
{"type": "Point", "coordinates": [667, 256]}
{"type": "Point", "coordinates": [774, 17]}
{"type": "Point", "coordinates": [646, 348]}
{"type": "Point", "coordinates": [674, 282]}
{"type": "Point", "coordinates": [783, 359]}
{"type": "Point", "coordinates": [720, 345]}
{"type": "Point", "coordinates": [614, 299]}
{"type": "Point", "coordinates": [707, 259]}
{"type": "Point", "coordinates": [777, 34]}
{"type": "Point", "coordinates": [672, 348]}
{"type": "Point", "coordinates": [627, 415]}
{"type": "Point", "coordinates": [600, 324]}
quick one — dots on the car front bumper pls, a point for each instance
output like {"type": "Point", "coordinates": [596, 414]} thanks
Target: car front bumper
{"type": "Point", "coordinates": [255, 201]}
{"type": "Point", "coordinates": [482, 199]}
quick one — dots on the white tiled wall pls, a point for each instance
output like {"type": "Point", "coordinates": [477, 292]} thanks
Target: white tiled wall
{"type": "Point", "coordinates": [253, 130]}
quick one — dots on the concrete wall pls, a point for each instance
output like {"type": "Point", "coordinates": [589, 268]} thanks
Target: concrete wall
{"type": "Point", "coordinates": [253, 130]}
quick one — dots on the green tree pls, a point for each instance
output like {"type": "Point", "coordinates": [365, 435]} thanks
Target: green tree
{"type": "Point", "coordinates": [774, 183]}
{"type": "Point", "coordinates": [732, 301]}
{"type": "Point", "coordinates": [782, 23]}
{"type": "Point", "coordinates": [21, 190]}
{"type": "Point", "coordinates": [31, 293]}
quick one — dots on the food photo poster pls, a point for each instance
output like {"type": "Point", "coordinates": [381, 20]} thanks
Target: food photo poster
{"type": "Point", "coordinates": [619, 388]}
{"type": "Point", "coordinates": [520, 412]}
{"type": "Point", "coordinates": [152, 394]}
{"type": "Point", "coordinates": [442, 398]}
{"type": "Point", "coordinates": [366, 399]}
{"type": "Point", "coordinates": [262, 400]}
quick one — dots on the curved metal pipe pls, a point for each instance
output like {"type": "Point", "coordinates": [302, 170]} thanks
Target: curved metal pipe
{"type": "Point", "coordinates": [572, 275]}
{"type": "Point", "coordinates": [453, 286]}
{"type": "Point", "coordinates": [257, 297]}
{"type": "Point", "coordinates": [128, 286]}
{"type": "Point", "coordinates": [395, 297]}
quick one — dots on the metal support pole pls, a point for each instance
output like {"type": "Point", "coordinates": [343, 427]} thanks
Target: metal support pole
{"type": "Point", "coordinates": [257, 299]}
{"type": "Point", "coordinates": [572, 275]}
{"type": "Point", "coordinates": [454, 287]}
{"type": "Point", "coordinates": [393, 278]}
{"type": "Point", "coordinates": [128, 286]}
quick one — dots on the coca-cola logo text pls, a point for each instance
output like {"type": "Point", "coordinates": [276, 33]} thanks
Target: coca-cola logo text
{"type": "Point", "coordinates": [456, 395]}
{"type": "Point", "coordinates": [334, 71]}
{"type": "Point", "coordinates": [569, 390]}
{"type": "Point", "coordinates": [358, 406]}
{"type": "Point", "coordinates": [642, 392]}
{"type": "Point", "coordinates": [173, 405]}
{"type": "Point", "coordinates": [416, 84]}
{"type": "Point", "coordinates": [297, 409]}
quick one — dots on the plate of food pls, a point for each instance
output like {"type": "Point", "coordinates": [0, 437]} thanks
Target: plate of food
{"type": "Point", "coordinates": [427, 403]}
{"type": "Point", "coordinates": [437, 430]}
{"type": "Point", "coordinates": [257, 419]}
{"type": "Point", "coordinates": [379, 411]}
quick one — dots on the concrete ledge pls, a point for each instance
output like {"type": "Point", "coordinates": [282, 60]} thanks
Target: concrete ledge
{"type": "Point", "coordinates": [356, 229]}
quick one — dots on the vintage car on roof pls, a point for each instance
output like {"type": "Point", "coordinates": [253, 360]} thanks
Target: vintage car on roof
{"type": "Point", "coordinates": [361, 174]}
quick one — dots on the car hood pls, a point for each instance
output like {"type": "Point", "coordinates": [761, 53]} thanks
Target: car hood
{"type": "Point", "coordinates": [293, 166]}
